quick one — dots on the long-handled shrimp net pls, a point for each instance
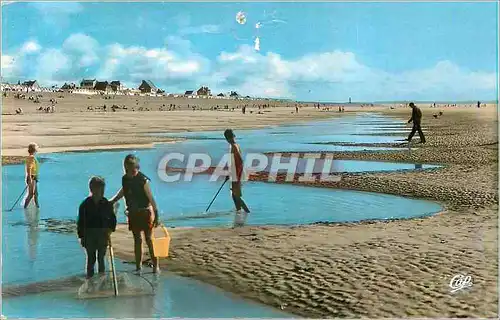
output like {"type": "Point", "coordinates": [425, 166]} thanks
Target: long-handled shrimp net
{"type": "Point", "coordinates": [108, 285]}
{"type": "Point", "coordinates": [115, 283]}
{"type": "Point", "coordinates": [122, 284]}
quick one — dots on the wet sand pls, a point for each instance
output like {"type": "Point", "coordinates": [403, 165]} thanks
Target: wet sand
{"type": "Point", "coordinates": [375, 268]}
{"type": "Point", "coordinates": [73, 127]}
{"type": "Point", "coordinates": [369, 269]}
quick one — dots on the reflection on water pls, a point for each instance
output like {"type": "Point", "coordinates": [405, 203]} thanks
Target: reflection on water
{"type": "Point", "coordinates": [49, 255]}
{"type": "Point", "coordinates": [292, 137]}
{"type": "Point", "coordinates": [183, 203]}
{"type": "Point", "coordinates": [32, 218]}
{"type": "Point", "coordinates": [127, 284]}
{"type": "Point", "coordinates": [240, 219]}
{"type": "Point", "coordinates": [174, 297]}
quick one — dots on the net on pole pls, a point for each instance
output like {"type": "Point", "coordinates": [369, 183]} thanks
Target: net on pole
{"type": "Point", "coordinates": [102, 286]}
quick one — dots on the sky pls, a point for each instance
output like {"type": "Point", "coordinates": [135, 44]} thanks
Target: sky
{"type": "Point", "coordinates": [308, 51]}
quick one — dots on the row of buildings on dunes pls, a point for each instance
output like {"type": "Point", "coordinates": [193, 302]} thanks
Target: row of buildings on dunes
{"type": "Point", "coordinates": [93, 86]}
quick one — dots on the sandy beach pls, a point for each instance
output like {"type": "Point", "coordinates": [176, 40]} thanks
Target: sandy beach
{"type": "Point", "coordinates": [73, 127]}
{"type": "Point", "coordinates": [339, 215]}
{"type": "Point", "coordinates": [371, 269]}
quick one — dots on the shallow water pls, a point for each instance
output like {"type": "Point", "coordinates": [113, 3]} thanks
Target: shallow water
{"type": "Point", "coordinates": [31, 255]}
{"type": "Point", "coordinates": [170, 300]}
{"type": "Point", "coordinates": [295, 137]}
{"type": "Point", "coordinates": [28, 252]}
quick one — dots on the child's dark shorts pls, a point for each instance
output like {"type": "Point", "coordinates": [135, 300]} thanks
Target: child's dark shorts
{"type": "Point", "coordinates": [141, 219]}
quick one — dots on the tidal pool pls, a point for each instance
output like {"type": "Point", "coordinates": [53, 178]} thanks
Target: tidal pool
{"type": "Point", "coordinates": [174, 297]}
{"type": "Point", "coordinates": [31, 255]}
{"type": "Point", "coordinates": [295, 137]}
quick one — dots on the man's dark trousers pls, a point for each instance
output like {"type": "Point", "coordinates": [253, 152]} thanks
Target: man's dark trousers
{"type": "Point", "coordinates": [416, 127]}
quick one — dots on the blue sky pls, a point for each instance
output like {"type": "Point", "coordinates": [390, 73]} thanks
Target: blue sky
{"type": "Point", "coordinates": [308, 51]}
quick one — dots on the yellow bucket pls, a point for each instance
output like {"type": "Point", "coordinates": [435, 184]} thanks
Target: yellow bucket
{"type": "Point", "coordinates": [161, 245]}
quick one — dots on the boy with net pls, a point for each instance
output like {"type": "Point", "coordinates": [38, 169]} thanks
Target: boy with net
{"type": "Point", "coordinates": [96, 221]}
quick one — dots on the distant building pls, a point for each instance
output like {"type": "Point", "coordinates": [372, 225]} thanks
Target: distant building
{"type": "Point", "coordinates": [5, 86]}
{"type": "Point", "coordinates": [221, 95]}
{"type": "Point", "coordinates": [234, 94]}
{"type": "Point", "coordinates": [116, 85]}
{"type": "Point", "coordinates": [204, 91]}
{"type": "Point", "coordinates": [31, 85]}
{"type": "Point", "coordinates": [131, 92]}
{"type": "Point", "coordinates": [102, 86]}
{"type": "Point", "coordinates": [189, 93]}
{"type": "Point", "coordinates": [88, 84]}
{"type": "Point", "coordinates": [148, 87]}
{"type": "Point", "coordinates": [68, 86]}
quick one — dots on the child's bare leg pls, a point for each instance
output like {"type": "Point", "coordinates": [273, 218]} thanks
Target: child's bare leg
{"type": "Point", "coordinates": [149, 241]}
{"type": "Point", "coordinates": [101, 253]}
{"type": "Point", "coordinates": [244, 205]}
{"type": "Point", "coordinates": [236, 193]}
{"type": "Point", "coordinates": [137, 249]}
{"type": "Point", "coordinates": [237, 203]}
{"type": "Point", "coordinates": [36, 194]}
{"type": "Point", "coordinates": [31, 192]}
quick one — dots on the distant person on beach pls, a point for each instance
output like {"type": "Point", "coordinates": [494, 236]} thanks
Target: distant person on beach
{"type": "Point", "coordinates": [296, 109]}
{"type": "Point", "coordinates": [32, 167]}
{"type": "Point", "coordinates": [142, 212]}
{"type": "Point", "coordinates": [236, 173]}
{"type": "Point", "coordinates": [96, 221]}
{"type": "Point", "coordinates": [416, 117]}
{"type": "Point", "coordinates": [479, 104]}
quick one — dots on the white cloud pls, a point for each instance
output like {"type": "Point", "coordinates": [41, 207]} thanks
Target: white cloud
{"type": "Point", "coordinates": [30, 47]}
{"type": "Point", "coordinates": [188, 67]}
{"type": "Point", "coordinates": [337, 75]}
{"type": "Point", "coordinates": [157, 64]}
{"type": "Point", "coordinates": [330, 76]}
{"type": "Point", "coordinates": [53, 65]}
{"type": "Point", "coordinates": [83, 47]}
{"type": "Point", "coordinates": [80, 42]}
{"type": "Point", "coordinates": [262, 87]}
{"type": "Point", "coordinates": [7, 62]}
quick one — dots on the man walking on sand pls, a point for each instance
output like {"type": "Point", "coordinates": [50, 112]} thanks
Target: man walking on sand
{"type": "Point", "coordinates": [416, 117]}
{"type": "Point", "coordinates": [236, 175]}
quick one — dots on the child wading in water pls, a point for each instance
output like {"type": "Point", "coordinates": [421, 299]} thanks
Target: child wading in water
{"type": "Point", "coordinates": [235, 176]}
{"type": "Point", "coordinates": [32, 175]}
{"type": "Point", "coordinates": [141, 209]}
{"type": "Point", "coordinates": [96, 221]}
